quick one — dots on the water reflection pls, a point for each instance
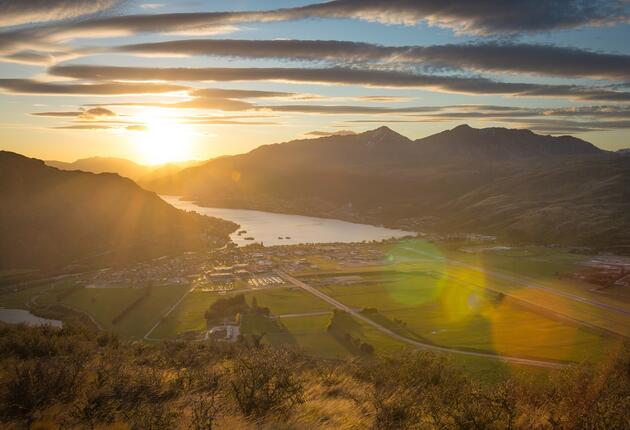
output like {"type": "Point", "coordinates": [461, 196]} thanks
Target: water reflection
{"type": "Point", "coordinates": [283, 229]}
{"type": "Point", "coordinates": [21, 316]}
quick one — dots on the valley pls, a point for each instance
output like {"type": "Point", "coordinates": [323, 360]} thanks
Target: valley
{"type": "Point", "coordinates": [397, 294]}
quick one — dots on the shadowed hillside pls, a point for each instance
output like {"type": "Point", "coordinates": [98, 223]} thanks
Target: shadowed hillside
{"type": "Point", "coordinates": [51, 217]}
{"type": "Point", "coordinates": [513, 183]}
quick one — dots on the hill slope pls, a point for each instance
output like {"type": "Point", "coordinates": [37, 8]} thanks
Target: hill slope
{"type": "Point", "coordinates": [496, 181]}
{"type": "Point", "coordinates": [50, 217]}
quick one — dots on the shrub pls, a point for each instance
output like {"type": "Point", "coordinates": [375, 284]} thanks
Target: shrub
{"type": "Point", "coordinates": [33, 385]}
{"type": "Point", "coordinates": [264, 381]}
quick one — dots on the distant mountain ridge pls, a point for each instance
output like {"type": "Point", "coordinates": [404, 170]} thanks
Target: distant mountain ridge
{"type": "Point", "coordinates": [481, 180]}
{"type": "Point", "coordinates": [502, 144]}
{"type": "Point", "coordinates": [51, 218]}
{"type": "Point", "coordinates": [121, 166]}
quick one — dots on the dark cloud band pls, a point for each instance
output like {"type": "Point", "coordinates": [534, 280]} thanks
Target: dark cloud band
{"type": "Point", "coordinates": [495, 57]}
{"type": "Point", "coordinates": [345, 76]}
{"type": "Point", "coordinates": [29, 86]}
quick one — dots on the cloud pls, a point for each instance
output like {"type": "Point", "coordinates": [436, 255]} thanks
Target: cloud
{"type": "Point", "coordinates": [136, 127]}
{"type": "Point", "coordinates": [241, 94]}
{"type": "Point", "coordinates": [220, 121]}
{"type": "Point", "coordinates": [481, 17]}
{"type": "Point", "coordinates": [318, 133]}
{"type": "Point", "coordinates": [18, 12]}
{"type": "Point", "coordinates": [210, 103]}
{"type": "Point", "coordinates": [84, 114]}
{"type": "Point", "coordinates": [97, 112]}
{"type": "Point", "coordinates": [384, 98]}
{"type": "Point", "coordinates": [58, 114]}
{"type": "Point", "coordinates": [344, 110]}
{"type": "Point", "coordinates": [538, 120]}
{"type": "Point", "coordinates": [491, 56]}
{"type": "Point", "coordinates": [85, 127]}
{"type": "Point", "coordinates": [40, 57]}
{"type": "Point", "coordinates": [152, 5]}
{"type": "Point", "coordinates": [195, 103]}
{"type": "Point", "coordinates": [563, 126]}
{"type": "Point", "coordinates": [29, 86]}
{"type": "Point", "coordinates": [543, 60]}
{"type": "Point", "coordinates": [554, 121]}
{"type": "Point", "coordinates": [344, 76]}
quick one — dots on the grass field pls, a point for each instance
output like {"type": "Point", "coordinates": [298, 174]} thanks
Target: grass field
{"type": "Point", "coordinates": [189, 314]}
{"type": "Point", "coordinates": [310, 334]}
{"type": "Point", "coordinates": [21, 298]}
{"type": "Point", "coordinates": [289, 300]}
{"type": "Point", "coordinates": [452, 315]}
{"type": "Point", "coordinates": [104, 304]}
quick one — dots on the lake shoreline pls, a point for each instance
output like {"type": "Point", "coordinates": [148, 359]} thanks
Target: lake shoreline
{"type": "Point", "coordinates": [275, 228]}
{"type": "Point", "coordinates": [23, 316]}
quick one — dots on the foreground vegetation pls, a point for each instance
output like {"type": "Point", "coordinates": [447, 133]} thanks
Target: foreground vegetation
{"type": "Point", "coordinates": [78, 378]}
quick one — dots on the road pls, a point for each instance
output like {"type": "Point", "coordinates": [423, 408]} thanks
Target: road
{"type": "Point", "coordinates": [167, 313]}
{"type": "Point", "coordinates": [417, 344]}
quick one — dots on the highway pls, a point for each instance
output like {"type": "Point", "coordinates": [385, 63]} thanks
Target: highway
{"type": "Point", "coordinates": [415, 343]}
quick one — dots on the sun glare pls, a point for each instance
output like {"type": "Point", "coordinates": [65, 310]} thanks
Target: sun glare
{"type": "Point", "coordinates": [163, 141]}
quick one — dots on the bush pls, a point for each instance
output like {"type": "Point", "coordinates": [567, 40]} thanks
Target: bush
{"type": "Point", "coordinates": [264, 381]}
{"type": "Point", "coordinates": [33, 385]}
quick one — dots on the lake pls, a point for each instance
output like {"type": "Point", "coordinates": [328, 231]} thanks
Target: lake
{"type": "Point", "coordinates": [19, 316]}
{"type": "Point", "coordinates": [283, 229]}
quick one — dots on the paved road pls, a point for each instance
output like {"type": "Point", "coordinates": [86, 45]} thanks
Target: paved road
{"type": "Point", "coordinates": [417, 344]}
{"type": "Point", "coordinates": [525, 282]}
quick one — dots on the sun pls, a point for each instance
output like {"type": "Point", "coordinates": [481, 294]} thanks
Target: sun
{"type": "Point", "coordinates": [163, 140]}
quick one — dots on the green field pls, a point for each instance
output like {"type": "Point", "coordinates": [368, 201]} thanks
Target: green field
{"type": "Point", "coordinates": [291, 300]}
{"type": "Point", "coordinates": [104, 304]}
{"type": "Point", "coordinates": [189, 314]}
{"type": "Point", "coordinates": [310, 334]}
{"type": "Point", "coordinates": [20, 299]}
{"type": "Point", "coordinates": [449, 314]}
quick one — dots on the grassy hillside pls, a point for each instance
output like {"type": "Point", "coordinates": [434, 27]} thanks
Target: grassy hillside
{"type": "Point", "coordinates": [76, 378]}
{"type": "Point", "coordinates": [50, 218]}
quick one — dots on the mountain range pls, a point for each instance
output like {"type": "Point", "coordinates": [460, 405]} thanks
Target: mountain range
{"type": "Point", "coordinates": [512, 183]}
{"type": "Point", "coordinates": [50, 218]}
{"type": "Point", "coordinates": [122, 166]}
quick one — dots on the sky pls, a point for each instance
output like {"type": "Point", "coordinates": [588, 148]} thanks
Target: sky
{"type": "Point", "coordinates": [157, 81]}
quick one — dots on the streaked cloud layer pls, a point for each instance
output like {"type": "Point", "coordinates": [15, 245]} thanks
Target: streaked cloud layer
{"type": "Point", "coordinates": [33, 11]}
{"type": "Point", "coordinates": [113, 65]}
